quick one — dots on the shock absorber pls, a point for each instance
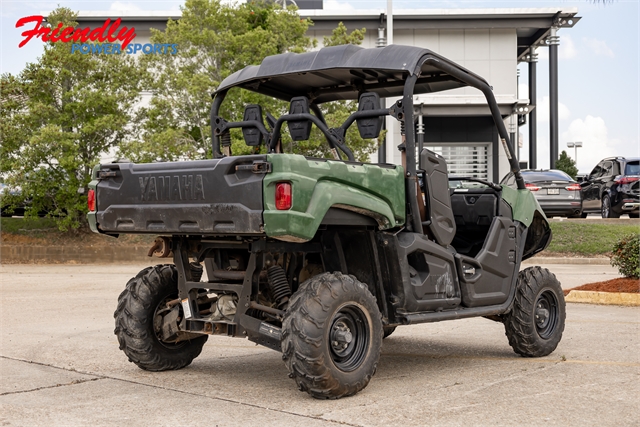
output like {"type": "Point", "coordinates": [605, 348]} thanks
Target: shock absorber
{"type": "Point", "coordinates": [196, 271]}
{"type": "Point", "coordinates": [279, 285]}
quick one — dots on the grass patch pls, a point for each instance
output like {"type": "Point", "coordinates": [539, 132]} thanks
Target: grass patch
{"type": "Point", "coordinates": [44, 231]}
{"type": "Point", "coordinates": [578, 238]}
{"type": "Point", "coordinates": [28, 226]}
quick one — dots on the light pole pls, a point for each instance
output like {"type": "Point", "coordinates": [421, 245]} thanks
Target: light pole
{"type": "Point", "coordinates": [575, 146]}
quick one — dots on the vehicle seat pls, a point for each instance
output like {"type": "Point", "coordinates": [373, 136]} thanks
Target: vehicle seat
{"type": "Point", "coordinates": [474, 210]}
{"type": "Point", "coordinates": [442, 225]}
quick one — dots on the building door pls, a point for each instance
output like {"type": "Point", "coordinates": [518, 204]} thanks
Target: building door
{"type": "Point", "coordinates": [465, 159]}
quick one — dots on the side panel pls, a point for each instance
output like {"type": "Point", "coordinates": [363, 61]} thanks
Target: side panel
{"type": "Point", "coordinates": [527, 210]}
{"type": "Point", "coordinates": [319, 184]}
{"type": "Point", "coordinates": [429, 274]}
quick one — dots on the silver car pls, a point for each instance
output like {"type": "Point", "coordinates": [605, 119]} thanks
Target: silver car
{"type": "Point", "coordinates": [557, 193]}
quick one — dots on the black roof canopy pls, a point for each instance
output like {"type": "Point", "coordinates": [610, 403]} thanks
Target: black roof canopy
{"type": "Point", "coordinates": [343, 72]}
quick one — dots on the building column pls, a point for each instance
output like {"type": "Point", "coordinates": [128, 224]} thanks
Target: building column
{"type": "Point", "coordinates": [553, 41]}
{"type": "Point", "coordinates": [513, 130]}
{"type": "Point", "coordinates": [533, 115]}
{"type": "Point", "coordinates": [382, 42]}
{"type": "Point", "coordinates": [391, 123]}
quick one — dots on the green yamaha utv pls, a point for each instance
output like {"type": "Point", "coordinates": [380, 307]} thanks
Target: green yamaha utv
{"type": "Point", "coordinates": [322, 258]}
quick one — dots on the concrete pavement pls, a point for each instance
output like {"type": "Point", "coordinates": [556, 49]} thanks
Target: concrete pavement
{"type": "Point", "coordinates": [60, 366]}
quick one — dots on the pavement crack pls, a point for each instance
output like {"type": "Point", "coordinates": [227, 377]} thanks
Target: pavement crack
{"type": "Point", "coordinates": [223, 399]}
{"type": "Point", "coordinates": [238, 402]}
{"type": "Point", "coordinates": [74, 382]}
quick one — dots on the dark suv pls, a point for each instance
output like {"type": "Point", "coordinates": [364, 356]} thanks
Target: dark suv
{"type": "Point", "coordinates": [612, 188]}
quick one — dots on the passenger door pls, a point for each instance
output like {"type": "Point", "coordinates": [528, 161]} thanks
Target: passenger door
{"type": "Point", "coordinates": [590, 201]}
{"type": "Point", "coordinates": [602, 180]}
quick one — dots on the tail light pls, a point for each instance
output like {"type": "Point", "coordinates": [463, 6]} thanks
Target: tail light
{"type": "Point", "coordinates": [627, 179]}
{"type": "Point", "coordinates": [91, 200]}
{"type": "Point", "coordinates": [283, 196]}
{"type": "Point", "coordinates": [573, 187]}
{"type": "Point", "coordinates": [532, 187]}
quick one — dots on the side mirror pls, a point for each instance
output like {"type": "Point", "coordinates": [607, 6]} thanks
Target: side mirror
{"type": "Point", "coordinates": [369, 127]}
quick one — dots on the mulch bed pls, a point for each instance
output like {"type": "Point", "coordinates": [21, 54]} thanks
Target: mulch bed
{"type": "Point", "coordinates": [622, 284]}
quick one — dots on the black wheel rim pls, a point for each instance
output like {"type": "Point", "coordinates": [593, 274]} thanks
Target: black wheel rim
{"type": "Point", "coordinates": [158, 314]}
{"type": "Point", "coordinates": [349, 338]}
{"type": "Point", "coordinates": [605, 207]}
{"type": "Point", "coordinates": [546, 314]}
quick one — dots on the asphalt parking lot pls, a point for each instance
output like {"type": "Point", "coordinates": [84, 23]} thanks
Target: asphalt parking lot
{"type": "Point", "coordinates": [61, 366]}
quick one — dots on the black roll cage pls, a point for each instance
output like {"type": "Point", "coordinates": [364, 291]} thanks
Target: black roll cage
{"type": "Point", "coordinates": [402, 111]}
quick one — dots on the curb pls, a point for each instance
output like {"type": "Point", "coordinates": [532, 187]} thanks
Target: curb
{"type": "Point", "coordinates": [16, 254]}
{"type": "Point", "coordinates": [604, 298]}
{"type": "Point", "coordinates": [572, 261]}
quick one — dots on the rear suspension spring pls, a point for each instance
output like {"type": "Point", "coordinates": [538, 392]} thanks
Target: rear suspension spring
{"type": "Point", "coordinates": [279, 285]}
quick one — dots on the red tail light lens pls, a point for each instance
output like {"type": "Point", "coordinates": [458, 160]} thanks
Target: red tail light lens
{"type": "Point", "coordinates": [573, 187]}
{"type": "Point", "coordinates": [283, 196]}
{"type": "Point", "coordinates": [627, 179]}
{"type": "Point", "coordinates": [91, 200]}
{"type": "Point", "coordinates": [532, 187]}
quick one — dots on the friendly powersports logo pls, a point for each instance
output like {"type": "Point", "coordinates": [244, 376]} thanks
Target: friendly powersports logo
{"type": "Point", "coordinates": [104, 38]}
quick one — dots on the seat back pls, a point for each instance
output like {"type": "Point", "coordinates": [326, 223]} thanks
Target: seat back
{"type": "Point", "coordinates": [300, 130]}
{"type": "Point", "coordinates": [443, 225]}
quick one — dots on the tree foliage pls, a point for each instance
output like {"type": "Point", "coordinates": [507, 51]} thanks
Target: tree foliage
{"type": "Point", "coordinates": [341, 35]}
{"type": "Point", "coordinates": [567, 165]}
{"type": "Point", "coordinates": [58, 116]}
{"type": "Point", "coordinates": [214, 40]}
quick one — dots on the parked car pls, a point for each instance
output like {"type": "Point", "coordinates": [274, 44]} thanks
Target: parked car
{"type": "Point", "coordinates": [612, 188]}
{"type": "Point", "coordinates": [557, 193]}
{"type": "Point", "coordinates": [7, 207]}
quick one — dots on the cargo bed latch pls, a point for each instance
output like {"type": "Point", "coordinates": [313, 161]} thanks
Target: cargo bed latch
{"type": "Point", "coordinates": [103, 174]}
{"type": "Point", "coordinates": [256, 167]}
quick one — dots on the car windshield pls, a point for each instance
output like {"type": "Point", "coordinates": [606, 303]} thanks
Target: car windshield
{"type": "Point", "coordinates": [632, 168]}
{"type": "Point", "coordinates": [540, 176]}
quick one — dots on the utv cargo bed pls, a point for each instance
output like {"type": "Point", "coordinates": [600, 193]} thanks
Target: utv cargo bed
{"type": "Point", "coordinates": [219, 196]}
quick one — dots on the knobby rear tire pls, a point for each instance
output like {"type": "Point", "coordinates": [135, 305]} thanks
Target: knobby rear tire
{"type": "Point", "coordinates": [538, 293]}
{"type": "Point", "coordinates": [315, 359]}
{"type": "Point", "coordinates": [134, 315]}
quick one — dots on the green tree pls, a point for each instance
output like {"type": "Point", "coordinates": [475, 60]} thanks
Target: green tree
{"type": "Point", "coordinates": [567, 165]}
{"type": "Point", "coordinates": [58, 116]}
{"type": "Point", "coordinates": [341, 35]}
{"type": "Point", "coordinates": [214, 40]}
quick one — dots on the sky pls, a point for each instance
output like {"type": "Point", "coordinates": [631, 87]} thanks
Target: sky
{"type": "Point", "coordinates": [599, 64]}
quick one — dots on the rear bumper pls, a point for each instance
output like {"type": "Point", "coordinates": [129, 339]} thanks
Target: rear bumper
{"type": "Point", "coordinates": [625, 202]}
{"type": "Point", "coordinates": [561, 209]}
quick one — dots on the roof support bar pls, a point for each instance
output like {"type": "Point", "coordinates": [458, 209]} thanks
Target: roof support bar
{"type": "Point", "coordinates": [493, 106]}
{"type": "Point", "coordinates": [215, 108]}
{"type": "Point", "coordinates": [411, 178]}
